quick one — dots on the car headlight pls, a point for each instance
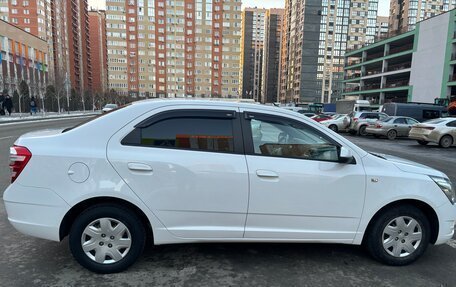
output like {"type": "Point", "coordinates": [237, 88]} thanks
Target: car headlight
{"type": "Point", "coordinates": [446, 186]}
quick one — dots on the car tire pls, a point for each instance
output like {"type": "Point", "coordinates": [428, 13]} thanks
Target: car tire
{"type": "Point", "coordinates": [333, 128]}
{"type": "Point", "coordinates": [389, 244]}
{"type": "Point", "coordinates": [446, 141]}
{"type": "Point", "coordinates": [423, 142]}
{"type": "Point", "coordinates": [101, 221]}
{"type": "Point", "coordinates": [362, 131]}
{"type": "Point", "coordinates": [391, 135]}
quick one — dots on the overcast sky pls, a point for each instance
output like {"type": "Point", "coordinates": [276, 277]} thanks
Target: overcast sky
{"type": "Point", "coordinates": [382, 9]}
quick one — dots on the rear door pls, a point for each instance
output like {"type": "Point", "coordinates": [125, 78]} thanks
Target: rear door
{"type": "Point", "coordinates": [188, 166]}
{"type": "Point", "coordinates": [401, 127]}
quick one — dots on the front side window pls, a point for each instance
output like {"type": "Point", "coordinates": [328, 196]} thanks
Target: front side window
{"type": "Point", "coordinates": [193, 133]}
{"type": "Point", "coordinates": [400, 121]}
{"type": "Point", "coordinates": [291, 140]}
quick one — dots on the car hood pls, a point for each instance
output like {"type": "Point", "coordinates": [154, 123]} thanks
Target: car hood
{"type": "Point", "coordinates": [410, 166]}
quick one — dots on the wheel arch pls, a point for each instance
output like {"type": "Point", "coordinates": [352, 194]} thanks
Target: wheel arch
{"type": "Point", "coordinates": [73, 213]}
{"type": "Point", "coordinates": [428, 211]}
{"type": "Point", "coordinates": [451, 136]}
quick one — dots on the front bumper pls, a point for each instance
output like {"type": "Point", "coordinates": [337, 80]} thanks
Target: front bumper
{"type": "Point", "coordinates": [447, 219]}
{"type": "Point", "coordinates": [375, 131]}
{"type": "Point", "coordinates": [35, 211]}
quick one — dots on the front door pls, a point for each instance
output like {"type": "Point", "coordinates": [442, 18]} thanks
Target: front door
{"type": "Point", "coordinates": [298, 189]}
{"type": "Point", "coordinates": [189, 168]}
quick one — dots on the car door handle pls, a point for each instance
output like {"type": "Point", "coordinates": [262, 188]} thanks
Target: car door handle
{"type": "Point", "coordinates": [266, 173]}
{"type": "Point", "coordinates": [137, 166]}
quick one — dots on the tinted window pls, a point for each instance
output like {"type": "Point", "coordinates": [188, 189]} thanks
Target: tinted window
{"type": "Point", "coordinates": [430, 114]}
{"type": "Point", "coordinates": [451, 124]}
{"type": "Point", "coordinates": [286, 139]}
{"type": "Point", "coordinates": [206, 134]}
{"type": "Point", "coordinates": [400, 121]}
{"type": "Point", "coordinates": [386, 120]}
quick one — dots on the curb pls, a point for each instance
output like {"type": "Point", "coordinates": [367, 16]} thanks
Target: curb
{"type": "Point", "coordinates": [46, 118]}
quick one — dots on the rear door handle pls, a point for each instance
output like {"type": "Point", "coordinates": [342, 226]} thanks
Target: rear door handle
{"type": "Point", "coordinates": [267, 173]}
{"type": "Point", "coordinates": [137, 166]}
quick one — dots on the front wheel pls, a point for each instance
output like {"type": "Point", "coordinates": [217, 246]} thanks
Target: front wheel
{"type": "Point", "coordinates": [399, 235]}
{"type": "Point", "coordinates": [423, 142]}
{"type": "Point", "coordinates": [333, 128]}
{"type": "Point", "coordinates": [107, 238]}
{"type": "Point", "coordinates": [362, 131]}
{"type": "Point", "coordinates": [446, 141]}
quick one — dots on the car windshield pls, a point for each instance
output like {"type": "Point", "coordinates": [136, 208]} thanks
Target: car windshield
{"type": "Point", "coordinates": [94, 118]}
{"type": "Point", "coordinates": [434, 121]}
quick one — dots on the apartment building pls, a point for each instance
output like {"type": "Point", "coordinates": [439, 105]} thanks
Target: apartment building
{"type": "Point", "coordinates": [381, 28]}
{"type": "Point", "coordinates": [159, 48]}
{"type": "Point", "coordinates": [98, 51]}
{"type": "Point", "coordinates": [415, 66]}
{"type": "Point", "coordinates": [23, 56]}
{"type": "Point", "coordinates": [326, 29]}
{"type": "Point", "coordinates": [271, 56]}
{"type": "Point", "coordinates": [252, 44]}
{"type": "Point", "coordinates": [404, 14]}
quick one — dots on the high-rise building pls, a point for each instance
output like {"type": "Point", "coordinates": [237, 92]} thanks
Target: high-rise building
{"type": "Point", "coordinates": [159, 48]}
{"type": "Point", "coordinates": [98, 50]}
{"type": "Point", "coordinates": [252, 41]}
{"type": "Point", "coordinates": [80, 68]}
{"type": "Point", "coordinates": [404, 14]}
{"type": "Point", "coordinates": [316, 35]}
{"type": "Point", "coordinates": [381, 27]}
{"type": "Point", "coordinates": [271, 56]}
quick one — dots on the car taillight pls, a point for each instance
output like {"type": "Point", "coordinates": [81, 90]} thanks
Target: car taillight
{"type": "Point", "coordinates": [19, 157]}
{"type": "Point", "coordinates": [378, 126]}
{"type": "Point", "coordinates": [426, 128]}
{"type": "Point", "coordinates": [355, 119]}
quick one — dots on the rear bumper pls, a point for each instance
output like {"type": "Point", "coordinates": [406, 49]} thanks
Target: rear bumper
{"type": "Point", "coordinates": [35, 211]}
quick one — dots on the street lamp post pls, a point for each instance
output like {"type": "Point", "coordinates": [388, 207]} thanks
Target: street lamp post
{"type": "Point", "coordinates": [67, 86]}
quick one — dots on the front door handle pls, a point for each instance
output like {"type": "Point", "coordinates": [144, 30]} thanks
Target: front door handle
{"type": "Point", "coordinates": [137, 166]}
{"type": "Point", "coordinates": [267, 173]}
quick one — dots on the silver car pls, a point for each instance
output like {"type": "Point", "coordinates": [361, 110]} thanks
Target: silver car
{"type": "Point", "coordinates": [357, 122]}
{"type": "Point", "coordinates": [441, 131]}
{"type": "Point", "coordinates": [392, 127]}
{"type": "Point", "coordinates": [336, 123]}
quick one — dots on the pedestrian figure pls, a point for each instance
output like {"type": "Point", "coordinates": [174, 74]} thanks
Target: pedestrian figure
{"type": "Point", "coordinates": [2, 109]}
{"type": "Point", "coordinates": [8, 104]}
{"type": "Point", "coordinates": [32, 106]}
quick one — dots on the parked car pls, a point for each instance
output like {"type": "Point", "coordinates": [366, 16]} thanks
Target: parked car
{"type": "Point", "coordinates": [321, 117]}
{"type": "Point", "coordinates": [391, 127]}
{"type": "Point", "coordinates": [306, 113]}
{"type": "Point", "coordinates": [109, 107]}
{"type": "Point", "coordinates": [357, 122]}
{"type": "Point", "coordinates": [336, 123]}
{"type": "Point", "coordinates": [441, 131]}
{"type": "Point", "coordinates": [204, 171]}
{"type": "Point", "coordinates": [419, 111]}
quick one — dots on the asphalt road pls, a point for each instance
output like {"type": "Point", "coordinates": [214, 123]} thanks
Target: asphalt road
{"type": "Point", "coordinates": [27, 261]}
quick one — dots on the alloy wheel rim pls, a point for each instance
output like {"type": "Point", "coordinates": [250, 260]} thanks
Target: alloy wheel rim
{"type": "Point", "coordinates": [446, 142]}
{"type": "Point", "coordinates": [106, 240]}
{"type": "Point", "coordinates": [402, 236]}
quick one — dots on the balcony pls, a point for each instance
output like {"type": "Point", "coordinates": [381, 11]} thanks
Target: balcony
{"type": "Point", "coordinates": [349, 90]}
{"type": "Point", "coordinates": [373, 86]}
{"type": "Point", "coordinates": [452, 78]}
{"type": "Point", "coordinates": [374, 56]}
{"type": "Point", "coordinates": [354, 76]}
{"type": "Point", "coordinates": [353, 62]}
{"type": "Point", "coordinates": [373, 72]}
{"type": "Point", "coordinates": [399, 49]}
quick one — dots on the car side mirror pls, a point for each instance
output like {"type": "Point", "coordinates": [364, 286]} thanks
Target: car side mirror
{"type": "Point", "coordinates": [346, 156]}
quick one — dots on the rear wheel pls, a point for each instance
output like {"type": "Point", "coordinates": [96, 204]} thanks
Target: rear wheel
{"type": "Point", "coordinates": [399, 235]}
{"type": "Point", "coordinates": [446, 141]}
{"type": "Point", "coordinates": [392, 134]}
{"type": "Point", "coordinates": [107, 238]}
{"type": "Point", "coordinates": [362, 131]}
{"type": "Point", "coordinates": [423, 142]}
{"type": "Point", "coordinates": [333, 128]}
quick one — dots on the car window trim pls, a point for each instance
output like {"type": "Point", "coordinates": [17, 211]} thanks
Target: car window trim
{"type": "Point", "coordinates": [232, 115]}
{"type": "Point", "coordinates": [248, 138]}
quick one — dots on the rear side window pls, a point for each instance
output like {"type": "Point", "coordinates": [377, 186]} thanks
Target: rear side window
{"type": "Point", "coordinates": [451, 124]}
{"type": "Point", "coordinates": [411, 121]}
{"type": "Point", "coordinates": [204, 134]}
{"type": "Point", "coordinates": [430, 114]}
{"type": "Point", "coordinates": [400, 121]}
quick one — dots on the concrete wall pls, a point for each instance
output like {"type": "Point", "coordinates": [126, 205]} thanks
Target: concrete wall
{"type": "Point", "coordinates": [428, 62]}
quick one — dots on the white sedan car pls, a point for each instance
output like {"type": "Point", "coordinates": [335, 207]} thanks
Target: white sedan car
{"type": "Point", "coordinates": [202, 171]}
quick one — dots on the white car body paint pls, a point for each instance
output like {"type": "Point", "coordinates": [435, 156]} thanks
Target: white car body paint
{"type": "Point", "coordinates": [192, 196]}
